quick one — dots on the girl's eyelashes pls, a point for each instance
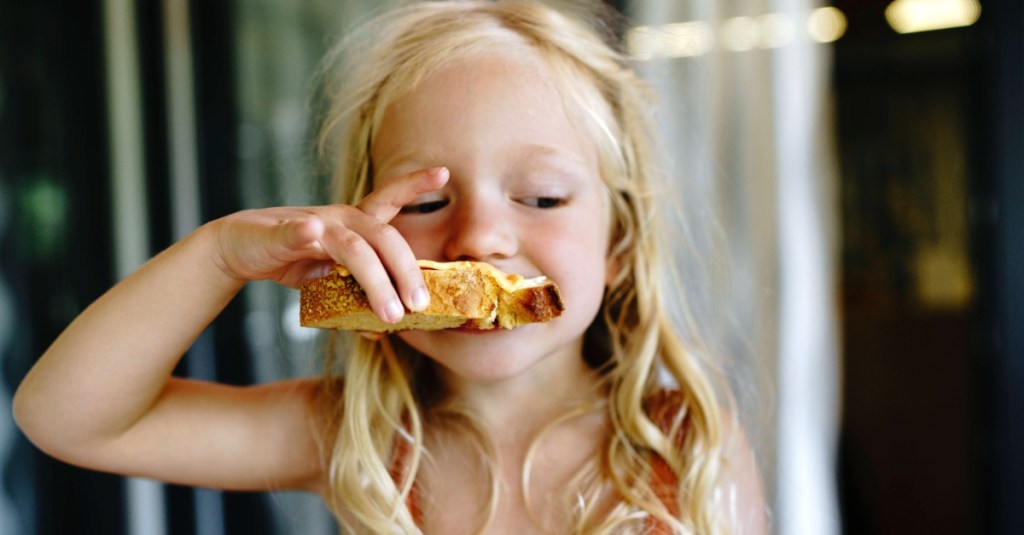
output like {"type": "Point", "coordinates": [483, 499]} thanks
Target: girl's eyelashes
{"type": "Point", "coordinates": [543, 202]}
{"type": "Point", "coordinates": [424, 207]}
{"type": "Point", "coordinates": [430, 206]}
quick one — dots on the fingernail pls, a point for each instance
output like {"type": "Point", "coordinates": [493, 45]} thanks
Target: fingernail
{"type": "Point", "coordinates": [393, 310]}
{"type": "Point", "coordinates": [419, 299]}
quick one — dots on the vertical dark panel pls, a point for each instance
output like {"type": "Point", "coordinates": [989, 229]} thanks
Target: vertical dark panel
{"type": "Point", "coordinates": [1001, 242]}
{"type": "Point", "coordinates": [213, 47]}
{"type": "Point", "coordinates": [56, 254]}
{"type": "Point", "coordinates": [153, 83]}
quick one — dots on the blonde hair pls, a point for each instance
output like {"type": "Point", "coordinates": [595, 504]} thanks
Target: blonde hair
{"type": "Point", "coordinates": [375, 440]}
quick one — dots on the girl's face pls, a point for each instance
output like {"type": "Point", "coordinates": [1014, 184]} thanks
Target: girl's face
{"type": "Point", "coordinates": [525, 194]}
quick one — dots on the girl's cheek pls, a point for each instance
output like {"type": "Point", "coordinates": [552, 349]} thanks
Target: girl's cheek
{"type": "Point", "coordinates": [422, 239]}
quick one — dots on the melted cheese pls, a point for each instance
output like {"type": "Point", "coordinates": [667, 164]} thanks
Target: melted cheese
{"type": "Point", "coordinates": [509, 283]}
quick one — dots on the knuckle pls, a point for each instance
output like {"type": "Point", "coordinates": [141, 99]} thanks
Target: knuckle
{"type": "Point", "coordinates": [386, 232]}
{"type": "Point", "coordinates": [354, 244]}
{"type": "Point", "coordinates": [412, 273]}
{"type": "Point", "coordinates": [380, 287]}
{"type": "Point", "coordinates": [350, 243]}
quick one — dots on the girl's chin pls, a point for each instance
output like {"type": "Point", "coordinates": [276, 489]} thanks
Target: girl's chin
{"type": "Point", "coordinates": [458, 370]}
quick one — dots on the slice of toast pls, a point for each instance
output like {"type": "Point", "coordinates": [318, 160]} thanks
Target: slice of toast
{"type": "Point", "coordinates": [462, 294]}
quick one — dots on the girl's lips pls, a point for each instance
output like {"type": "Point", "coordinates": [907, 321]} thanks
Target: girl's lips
{"type": "Point", "coordinates": [474, 330]}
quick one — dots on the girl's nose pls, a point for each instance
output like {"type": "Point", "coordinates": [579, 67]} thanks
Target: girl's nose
{"type": "Point", "coordinates": [479, 231]}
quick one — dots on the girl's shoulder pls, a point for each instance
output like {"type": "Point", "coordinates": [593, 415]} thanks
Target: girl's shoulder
{"type": "Point", "coordinates": [666, 407]}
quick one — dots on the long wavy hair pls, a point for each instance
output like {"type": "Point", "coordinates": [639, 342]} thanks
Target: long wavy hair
{"type": "Point", "coordinates": [374, 444]}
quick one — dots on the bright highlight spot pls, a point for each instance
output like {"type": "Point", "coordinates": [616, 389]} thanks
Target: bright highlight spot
{"type": "Point", "coordinates": [826, 24]}
{"type": "Point", "coordinates": [909, 16]}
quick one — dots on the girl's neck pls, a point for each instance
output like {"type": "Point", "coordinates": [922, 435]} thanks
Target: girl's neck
{"type": "Point", "coordinates": [532, 399]}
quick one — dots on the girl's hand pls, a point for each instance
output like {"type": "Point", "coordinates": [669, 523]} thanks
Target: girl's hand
{"type": "Point", "coordinates": [292, 244]}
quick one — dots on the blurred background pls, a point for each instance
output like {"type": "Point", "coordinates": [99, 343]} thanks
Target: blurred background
{"type": "Point", "coordinates": [856, 166]}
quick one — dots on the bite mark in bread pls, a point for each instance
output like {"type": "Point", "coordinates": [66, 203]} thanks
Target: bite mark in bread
{"type": "Point", "coordinates": [462, 294]}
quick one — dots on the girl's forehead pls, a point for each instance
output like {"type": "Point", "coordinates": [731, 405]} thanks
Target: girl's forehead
{"type": "Point", "coordinates": [519, 70]}
{"type": "Point", "coordinates": [507, 102]}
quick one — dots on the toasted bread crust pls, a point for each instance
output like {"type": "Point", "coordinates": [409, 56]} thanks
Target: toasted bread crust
{"type": "Point", "coordinates": [462, 294]}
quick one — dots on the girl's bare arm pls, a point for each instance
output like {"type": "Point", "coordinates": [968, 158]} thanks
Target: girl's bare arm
{"type": "Point", "coordinates": [102, 395]}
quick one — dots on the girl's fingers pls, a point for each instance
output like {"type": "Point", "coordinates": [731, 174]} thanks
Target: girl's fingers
{"type": "Point", "coordinates": [374, 251]}
{"type": "Point", "coordinates": [301, 241]}
{"type": "Point", "coordinates": [355, 253]}
{"type": "Point", "coordinates": [381, 260]}
{"type": "Point", "coordinates": [386, 200]}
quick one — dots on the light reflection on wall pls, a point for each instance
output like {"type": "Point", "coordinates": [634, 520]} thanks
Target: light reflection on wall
{"type": "Point", "coordinates": [736, 34]}
{"type": "Point", "coordinates": [676, 40]}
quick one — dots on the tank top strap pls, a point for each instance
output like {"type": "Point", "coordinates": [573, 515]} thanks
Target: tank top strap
{"type": "Point", "coordinates": [402, 452]}
{"type": "Point", "coordinates": [663, 408]}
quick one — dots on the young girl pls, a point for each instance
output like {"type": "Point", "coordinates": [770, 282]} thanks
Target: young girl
{"type": "Point", "coordinates": [496, 131]}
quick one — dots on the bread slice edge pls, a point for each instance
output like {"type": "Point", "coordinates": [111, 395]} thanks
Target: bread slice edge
{"type": "Point", "coordinates": [465, 294]}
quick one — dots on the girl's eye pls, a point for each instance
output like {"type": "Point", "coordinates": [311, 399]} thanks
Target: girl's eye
{"type": "Point", "coordinates": [424, 207]}
{"type": "Point", "coordinates": [544, 202]}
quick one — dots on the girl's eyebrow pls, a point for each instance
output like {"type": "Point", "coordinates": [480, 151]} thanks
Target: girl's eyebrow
{"type": "Point", "coordinates": [547, 158]}
{"type": "Point", "coordinates": [542, 150]}
{"type": "Point", "coordinates": [531, 157]}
